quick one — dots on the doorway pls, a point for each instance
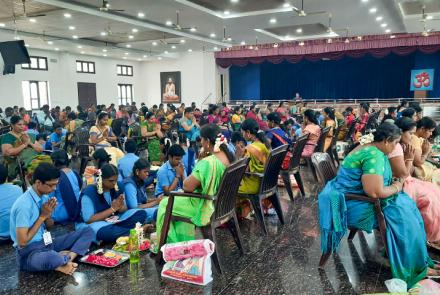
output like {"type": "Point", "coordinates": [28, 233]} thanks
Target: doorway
{"type": "Point", "coordinates": [86, 94]}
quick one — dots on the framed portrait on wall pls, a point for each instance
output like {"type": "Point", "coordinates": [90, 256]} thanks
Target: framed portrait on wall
{"type": "Point", "coordinates": [170, 87]}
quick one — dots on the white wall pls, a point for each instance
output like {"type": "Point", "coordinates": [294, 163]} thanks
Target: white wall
{"type": "Point", "coordinates": [198, 79]}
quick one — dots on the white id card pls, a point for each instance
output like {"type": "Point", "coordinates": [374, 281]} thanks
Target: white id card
{"type": "Point", "coordinates": [47, 237]}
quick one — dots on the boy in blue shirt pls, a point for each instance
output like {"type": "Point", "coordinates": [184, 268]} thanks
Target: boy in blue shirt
{"type": "Point", "coordinates": [9, 193]}
{"type": "Point", "coordinates": [126, 163]}
{"type": "Point", "coordinates": [36, 249]}
{"type": "Point", "coordinates": [56, 137]}
{"type": "Point", "coordinates": [171, 174]}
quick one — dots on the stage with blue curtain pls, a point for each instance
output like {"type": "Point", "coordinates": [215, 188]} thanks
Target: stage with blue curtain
{"type": "Point", "coordinates": [347, 78]}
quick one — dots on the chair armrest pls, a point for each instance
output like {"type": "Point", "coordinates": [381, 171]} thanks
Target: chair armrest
{"type": "Point", "coordinates": [361, 198]}
{"type": "Point", "coordinates": [191, 195]}
{"type": "Point", "coordinates": [261, 175]}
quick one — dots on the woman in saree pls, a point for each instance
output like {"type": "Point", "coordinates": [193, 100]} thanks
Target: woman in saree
{"type": "Point", "coordinates": [311, 127]}
{"type": "Point", "coordinates": [237, 118]}
{"type": "Point", "coordinates": [68, 190]}
{"type": "Point", "coordinates": [424, 170]}
{"type": "Point", "coordinates": [363, 120]}
{"type": "Point", "coordinates": [329, 121]}
{"type": "Point", "coordinates": [258, 153]}
{"type": "Point", "coordinates": [101, 135]}
{"type": "Point", "coordinates": [425, 194]}
{"type": "Point", "coordinates": [205, 179]}
{"type": "Point", "coordinates": [366, 170]}
{"type": "Point", "coordinates": [18, 143]}
{"type": "Point", "coordinates": [151, 130]}
{"type": "Point", "coordinates": [103, 208]}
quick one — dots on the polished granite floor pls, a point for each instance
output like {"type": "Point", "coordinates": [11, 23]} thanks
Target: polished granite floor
{"type": "Point", "coordinates": [283, 262]}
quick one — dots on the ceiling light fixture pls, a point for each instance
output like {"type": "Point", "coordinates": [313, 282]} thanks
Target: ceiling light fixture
{"type": "Point", "coordinates": [144, 56]}
{"type": "Point", "coordinates": [67, 15]}
{"type": "Point", "coordinates": [193, 29]}
{"type": "Point", "coordinates": [159, 58]}
{"type": "Point", "coordinates": [126, 53]}
{"type": "Point", "coordinates": [135, 30]}
{"type": "Point", "coordinates": [329, 40]}
{"type": "Point", "coordinates": [166, 52]}
{"type": "Point", "coordinates": [373, 10]}
{"type": "Point", "coordinates": [212, 35]}
{"type": "Point", "coordinates": [273, 20]}
{"type": "Point", "coordinates": [82, 52]}
{"type": "Point", "coordinates": [392, 36]}
{"type": "Point", "coordinates": [50, 42]}
{"type": "Point", "coordinates": [229, 39]}
{"type": "Point", "coordinates": [141, 14]}
{"type": "Point", "coordinates": [16, 37]}
{"type": "Point", "coordinates": [364, 1]}
{"type": "Point", "coordinates": [242, 43]}
{"type": "Point", "coordinates": [75, 37]}
{"type": "Point", "coordinates": [359, 38]}
{"type": "Point", "coordinates": [301, 43]}
{"type": "Point", "coordinates": [190, 50]}
{"type": "Point", "coordinates": [384, 25]}
{"type": "Point", "coordinates": [251, 47]}
{"type": "Point", "coordinates": [226, 12]}
{"type": "Point", "coordinates": [124, 57]}
{"type": "Point", "coordinates": [72, 28]}
{"type": "Point", "coordinates": [347, 41]}
{"type": "Point", "coordinates": [286, 5]}
{"type": "Point", "coordinates": [32, 20]}
{"type": "Point", "coordinates": [154, 43]}
{"type": "Point", "coordinates": [299, 30]}
{"type": "Point", "coordinates": [215, 48]}
{"type": "Point", "coordinates": [173, 47]}
{"type": "Point", "coordinates": [104, 50]}
{"type": "Point", "coordinates": [169, 23]}
{"type": "Point", "coordinates": [182, 41]}
{"type": "Point", "coordinates": [130, 36]}
{"type": "Point", "coordinates": [104, 55]}
{"type": "Point", "coordinates": [275, 45]}
{"type": "Point", "coordinates": [387, 31]}
{"type": "Point", "coordinates": [2, 25]}
{"type": "Point", "coordinates": [429, 17]}
{"type": "Point", "coordinates": [139, 59]}
{"type": "Point", "coordinates": [379, 18]}
{"type": "Point", "coordinates": [57, 49]}
{"type": "Point", "coordinates": [103, 33]}
{"type": "Point", "coordinates": [234, 1]}
{"type": "Point", "coordinates": [79, 46]}
{"type": "Point", "coordinates": [128, 46]}
{"type": "Point", "coordinates": [26, 45]}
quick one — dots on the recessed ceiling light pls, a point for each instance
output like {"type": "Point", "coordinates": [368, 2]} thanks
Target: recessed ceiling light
{"type": "Point", "coordinates": [57, 49]}
{"type": "Point", "coordinates": [104, 50]}
{"type": "Point", "coordinates": [242, 43]}
{"type": "Point", "coordinates": [212, 35]}
{"type": "Point", "coordinates": [130, 36]}
{"type": "Point", "coordinates": [154, 43]}
{"type": "Point", "coordinates": [134, 30]}
{"type": "Point", "coordinates": [216, 48]}
{"type": "Point", "coordinates": [251, 47]}
{"type": "Point", "coordinates": [286, 5]}
{"type": "Point", "coordinates": [144, 56]}
{"type": "Point", "coordinates": [229, 39]}
{"type": "Point", "coordinates": [226, 12]}
{"type": "Point", "coordinates": [104, 55]}
{"type": "Point", "coordinates": [166, 52]}
{"type": "Point", "coordinates": [159, 58]}
{"type": "Point", "coordinates": [329, 40]}
{"type": "Point", "coordinates": [173, 47]}
{"type": "Point", "coordinates": [124, 57]}
{"type": "Point", "coordinates": [75, 37]}
{"type": "Point", "coordinates": [27, 45]}
{"type": "Point", "coordinates": [32, 20]}
{"type": "Point", "coordinates": [126, 53]}
{"type": "Point", "coordinates": [275, 45]}
{"type": "Point", "coordinates": [2, 25]}
{"type": "Point", "coordinates": [359, 38]}
{"type": "Point", "coordinates": [393, 36]}
{"type": "Point", "coordinates": [193, 29]}
{"type": "Point", "coordinates": [387, 31]}
{"type": "Point", "coordinates": [364, 1]}
{"type": "Point", "coordinates": [301, 43]}
{"type": "Point", "coordinates": [67, 15]}
{"type": "Point", "coordinates": [103, 33]}
{"type": "Point", "coordinates": [141, 14]}
{"type": "Point", "coordinates": [139, 59]}
{"type": "Point", "coordinates": [169, 23]}
{"type": "Point", "coordinates": [190, 50]}
{"type": "Point", "coordinates": [79, 46]}
{"type": "Point", "coordinates": [182, 41]}
{"type": "Point", "coordinates": [128, 46]}
{"type": "Point", "coordinates": [273, 20]}
{"type": "Point", "coordinates": [16, 37]}
{"type": "Point", "coordinates": [50, 42]}
{"type": "Point", "coordinates": [234, 1]}
{"type": "Point", "coordinates": [82, 52]}
{"type": "Point", "coordinates": [72, 28]}
{"type": "Point", "coordinates": [379, 18]}
{"type": "Point", "coordinates": [299, 30]}
{"type": "Point", "coordinates": [428, 17]}
{"type": "Point", "coordinates": [384, 25]}
{"type": "Point", "coordinates": [373, 10]}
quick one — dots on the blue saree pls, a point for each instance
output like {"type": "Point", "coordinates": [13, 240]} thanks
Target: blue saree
{"type": "Point", "coordinates": [406, 237]}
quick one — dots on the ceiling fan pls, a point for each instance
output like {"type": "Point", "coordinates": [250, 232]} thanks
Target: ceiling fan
{"type": "Point", "coordinates": [425, 16]}
{"type": "Point", "coordinates": [225, 37]}
{"type": "Point", "coordinates": [177, 25]}
{"type": "Point", "coordinates": [330, 29]}
{"type": "Point", "coordinates": [426, 32]}
{"type": "Point", "coordinates": [301, 12]}
{"type": "Point", "coordinates": [165, 42]}
{"type": "Point", "coordinates": [110, 32]}
{"type": "Point", "coordinates": [24, 16]}
{"type": "Point", "coordinates": [106, 7]}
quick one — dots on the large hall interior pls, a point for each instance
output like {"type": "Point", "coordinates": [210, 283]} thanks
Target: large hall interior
{"type": "Point", "coordinates": [219, 147]}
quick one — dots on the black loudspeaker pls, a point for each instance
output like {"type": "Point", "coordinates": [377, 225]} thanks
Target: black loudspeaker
{"type": "Point", "coordinates": [13, 53]}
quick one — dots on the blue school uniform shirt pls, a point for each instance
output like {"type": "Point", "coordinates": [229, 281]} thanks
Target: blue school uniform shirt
{"type": "Point", "coordinates": [60, 213]}
{"type": "Point", "coordinates": [165, 177]}
{"type": "Point", "coordinates": [9, 193]}
{"type": "Point", "coordinates": [33, 131]}
{"type": "Point", "coordinates": [25, 212]}
{"type": "Point", "coordinates": [125, 165]}
{"type": "Point", "coordinates": [55, 138]}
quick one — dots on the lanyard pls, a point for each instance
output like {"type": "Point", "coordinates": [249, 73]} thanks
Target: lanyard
{"type": "Point", "coordinates": [39, 208]}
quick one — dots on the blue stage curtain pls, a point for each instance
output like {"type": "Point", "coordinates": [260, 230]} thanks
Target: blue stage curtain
{"type": "Point", "coordinates": [365, 77]}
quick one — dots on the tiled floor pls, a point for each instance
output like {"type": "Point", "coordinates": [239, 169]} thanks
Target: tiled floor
{"type": "Point", "coordinates": [283, 262]}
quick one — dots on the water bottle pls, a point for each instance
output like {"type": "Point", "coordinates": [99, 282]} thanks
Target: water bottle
{"type": "Point", "coordinates": [134, 247]}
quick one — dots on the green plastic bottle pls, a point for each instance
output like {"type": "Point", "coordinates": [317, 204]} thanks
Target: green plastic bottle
{"type": "Point", "coordinates": [134, 247]}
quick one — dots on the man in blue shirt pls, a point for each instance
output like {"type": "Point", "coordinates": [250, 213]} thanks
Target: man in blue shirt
{"type": "Point", "coordinates": [36, 249]}
{"type": "Point", "coordinates": [171, 174]}
{"type": "Point", "coordinates": [32, 128]}
{"type": "Point", "coordinates": [8, 194]}
{"type": "Point", "coordinates": [56, 137]}
{"type": "Point", "coordinates": [126, 163]}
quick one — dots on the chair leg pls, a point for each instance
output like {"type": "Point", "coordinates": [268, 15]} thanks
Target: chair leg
{"type": "Point", "coordinates": [323, 260]}
{"type": "Point", "coordinates": [275, 200]}
{"type": "Point", "coordinates": [209, 233]}
{"type": "Point", "coordinates": [258, 210]}
{"type": "Point", "coordinates": [286, 178]}
{"type": "Point", "coordinates": [311, 167]}
{"type": "Point", "coordinates": [165, 228]}
{"type": "Point", "coordinates": [352, 234]}
{"type": "Point", "coordinates": [335, 153]}
{"type": "Point", "coordinates": [235, 231]}
{"type": "Point", "coordinates": [300, 183]}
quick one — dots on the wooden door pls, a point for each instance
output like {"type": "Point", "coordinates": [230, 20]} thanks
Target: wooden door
{"type": "Point", "coordinates": [86, 94]}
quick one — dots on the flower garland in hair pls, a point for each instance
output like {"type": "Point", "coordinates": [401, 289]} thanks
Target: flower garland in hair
{"type": "Point", "coordinates": [99, 182]}
{"type": "Point", "coordinates": [221, 139]}
{"type": "Point", "coordinates": [366, 139]}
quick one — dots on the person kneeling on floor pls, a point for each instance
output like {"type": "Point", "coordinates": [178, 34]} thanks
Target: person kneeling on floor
{"type": "Point", "coordinates": [37, 250]}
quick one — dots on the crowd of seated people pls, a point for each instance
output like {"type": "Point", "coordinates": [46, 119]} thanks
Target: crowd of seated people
{"type": "Point", "coordinates": [188, 149]}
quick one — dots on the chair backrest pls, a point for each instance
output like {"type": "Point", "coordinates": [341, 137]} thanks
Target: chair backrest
{"type": "Point", "coordinates": [81, 138]}
{"type": "Point", "coordinates": [227, 191]}
{"type": "Point", "coordinates": [321, 141]}
{"type": "Point", "coordinates": [273, 166]}
{"type": "Point", "coordinates": [335, 137]}
{"type": "Point", "coordinates": [118, 126]}
{"type": "Point", "coordinates": [350, 131]}
{"type": "Point", "coordinates": [297, 149]}
{"type": "Point", "coordinates": [324, 166]}
{"type": "Point", "coordinates": [88, 124]}
{"type": "Point", "coordinates": [372, 122]}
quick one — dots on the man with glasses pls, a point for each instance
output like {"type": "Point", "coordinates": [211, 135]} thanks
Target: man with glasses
{"type": "Point", "coordinates": [37, 250]}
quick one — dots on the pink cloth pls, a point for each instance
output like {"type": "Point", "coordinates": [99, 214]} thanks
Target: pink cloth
{"type": "Point", "coordinates": [315, 132]}
{"type": "Point", "coordinates": [189, 249]}
{"type": "Point", "coordinates": [427, 198]}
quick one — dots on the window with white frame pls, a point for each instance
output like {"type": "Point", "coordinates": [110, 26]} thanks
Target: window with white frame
{"type": "Point", "coordinates": [125, 94]}
{"type": "Point", "coordinates": [122, 70]}
{"type": "Point", "coordinates": [35, 94]}
{"type": "Point", "coordinates": [37, 63]}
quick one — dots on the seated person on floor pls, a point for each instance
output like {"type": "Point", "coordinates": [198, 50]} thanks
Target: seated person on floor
{"type": "Point", "coordinates": [100, 158]}
{"type": "Point", "coordinates": [103, 207]}
{"type": "Point", "coordinates": [8, 194]}
{"type": "Point", "coordinates": [37, 250]}
{"type": "Point", "coordinates": [171, 174]}
{"type": "Point", "coordinates": [189, 125]}
{"type": "Point", "coordinates": [125, 165]}
{"type": "Point", "coordinates": [135, 190]}
{"type": "Point", "coordinates": [68, 190]}
{"type": "Point", "coordinates": [56, 137]}
{"type": "Point", "coordinates": [205, 179]}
